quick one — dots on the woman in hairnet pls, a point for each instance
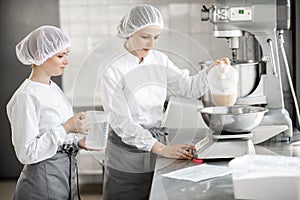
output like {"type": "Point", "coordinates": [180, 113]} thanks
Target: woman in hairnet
{"type": "Point", "coordinates": [133, 89]}
{"type": "Point", "coordinates": [42, 120]}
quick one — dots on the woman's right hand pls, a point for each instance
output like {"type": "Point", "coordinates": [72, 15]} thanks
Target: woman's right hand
{"type": "Point", "coordinates": [225, 60]}
{"type": "Point", "coordinates": [79, 123]}
{"type": "Point", "coordinates": [178, 151]}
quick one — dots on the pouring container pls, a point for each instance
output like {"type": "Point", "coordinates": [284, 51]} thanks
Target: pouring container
{"type": "Point", "coordinates": [233, 119]}
{"type": "Point", "coordinates": [222, 80]}
{"type": "Point", "coordinates": [248, 71]}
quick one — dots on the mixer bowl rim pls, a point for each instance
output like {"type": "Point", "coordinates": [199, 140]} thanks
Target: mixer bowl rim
{"type": "Point", "coordinates": [206, 110]}
{"type": "Point", "coordinates": [245, 62]}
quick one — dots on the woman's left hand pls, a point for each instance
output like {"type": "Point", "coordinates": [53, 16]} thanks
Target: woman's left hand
{"type": "Point", "coordinates": [82, 144]}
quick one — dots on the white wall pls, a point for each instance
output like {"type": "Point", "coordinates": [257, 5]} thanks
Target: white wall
{"type": "Point", "coordinates": [92, 24]}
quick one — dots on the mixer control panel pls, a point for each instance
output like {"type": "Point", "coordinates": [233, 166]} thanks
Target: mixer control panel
{"type": "Point", "coordinates": [240, 14]}
{"type": "Point", "coordinates": [233, 14]}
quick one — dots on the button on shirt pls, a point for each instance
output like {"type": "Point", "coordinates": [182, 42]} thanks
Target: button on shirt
{"type": "Point", "coordinates": [134, 93]}
{"type": "Point", "coordinates": [36, 112]}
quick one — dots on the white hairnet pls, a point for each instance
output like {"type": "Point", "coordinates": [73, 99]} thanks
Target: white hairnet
{"type": "Point", "coordinates": [41, 44]}
{"type": "Point", "coordinates": [137, 18]}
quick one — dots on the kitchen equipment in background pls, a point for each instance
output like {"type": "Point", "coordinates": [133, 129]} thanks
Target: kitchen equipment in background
{"type": "Point", "coordinates": [248, 76]}
{"type": "Point", "coordinates": [223, 81]}
{"type": "Point", "coordinates": [248, 22]}
{"type": "Point", "coordinates": [98, 134]}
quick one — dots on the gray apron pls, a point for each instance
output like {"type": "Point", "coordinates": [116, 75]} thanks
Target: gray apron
{"type": "Point", "coordinates": [53, 178]}
{"type": "Point", "coordinates": [128, 171]}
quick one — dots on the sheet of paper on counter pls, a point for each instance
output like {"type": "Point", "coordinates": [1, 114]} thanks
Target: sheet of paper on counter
{"type": "Point", "coordinates": [199, 172]}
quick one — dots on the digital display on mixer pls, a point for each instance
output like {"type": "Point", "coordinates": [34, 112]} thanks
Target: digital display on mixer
{"type": "Point", "coordinates": [240, 14]}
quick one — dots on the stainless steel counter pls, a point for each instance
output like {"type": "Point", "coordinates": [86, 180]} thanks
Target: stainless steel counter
{"type": "Point", "coordinates": [218, 188]}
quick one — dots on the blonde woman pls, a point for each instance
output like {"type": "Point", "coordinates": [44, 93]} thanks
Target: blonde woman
{"type": "Point", "coordinates": [44, 127]}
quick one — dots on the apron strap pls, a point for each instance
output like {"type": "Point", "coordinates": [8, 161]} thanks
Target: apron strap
{"type": "Point", "coordinates": [161, 134]}
{"type": "Point", "coordinates": [72, 150]}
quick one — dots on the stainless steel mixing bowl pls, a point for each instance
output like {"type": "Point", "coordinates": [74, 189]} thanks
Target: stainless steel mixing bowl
{"type": "Point", "coordinates": [235, 119]}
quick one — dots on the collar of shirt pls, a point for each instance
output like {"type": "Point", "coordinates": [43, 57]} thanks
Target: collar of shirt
{"type": "Point", "coordinates": [136, 59]}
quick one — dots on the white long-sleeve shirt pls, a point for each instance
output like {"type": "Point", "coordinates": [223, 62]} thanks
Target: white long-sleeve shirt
{"type": "Point", "coordinates": [135, 93]}
{"type": "Point", "coordinates": [36, 113]}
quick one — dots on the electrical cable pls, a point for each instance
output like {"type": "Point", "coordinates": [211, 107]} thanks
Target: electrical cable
{"type": "Point", "coordinates": [281, 41]}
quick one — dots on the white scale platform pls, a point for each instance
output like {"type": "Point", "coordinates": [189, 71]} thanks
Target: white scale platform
{"type": "Point", "coordinates": [226, 146]}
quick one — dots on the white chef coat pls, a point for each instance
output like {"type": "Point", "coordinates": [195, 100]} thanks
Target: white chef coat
{"type": "Point", "coordinates": [36, 113]}
{"type": "Point", "coordinates": [135, 93]}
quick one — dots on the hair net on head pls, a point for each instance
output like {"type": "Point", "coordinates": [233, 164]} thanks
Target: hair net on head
{"type": "Point", "coordinates": [137, 18]}
{"type": "Point", "coordinates": [41, 44]}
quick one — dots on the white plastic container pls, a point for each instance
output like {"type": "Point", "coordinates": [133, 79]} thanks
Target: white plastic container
{"type": "Point", "coordinates": [223, 83]}
{"type": "Point", "coordinates": [97, 137]}
{"type": "Point", "coordinates": [266, 177]}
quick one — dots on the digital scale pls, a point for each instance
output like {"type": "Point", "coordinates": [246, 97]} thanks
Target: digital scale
{"type": "Point", "coordinates": [224, 146]}
{"type": "Point", "coordinates": [227, 145]}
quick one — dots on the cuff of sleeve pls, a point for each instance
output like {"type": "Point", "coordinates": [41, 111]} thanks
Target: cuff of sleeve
{"type": "Point", "coordinates": [151, 144]}
{"type": "Point", "coordinates": [59, 133]}
{"type": "Point", "coordinates": [77, 137]}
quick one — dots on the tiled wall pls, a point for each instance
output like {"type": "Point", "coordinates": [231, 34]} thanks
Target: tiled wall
{"type": "Point", "coordinates": [92, 24]}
